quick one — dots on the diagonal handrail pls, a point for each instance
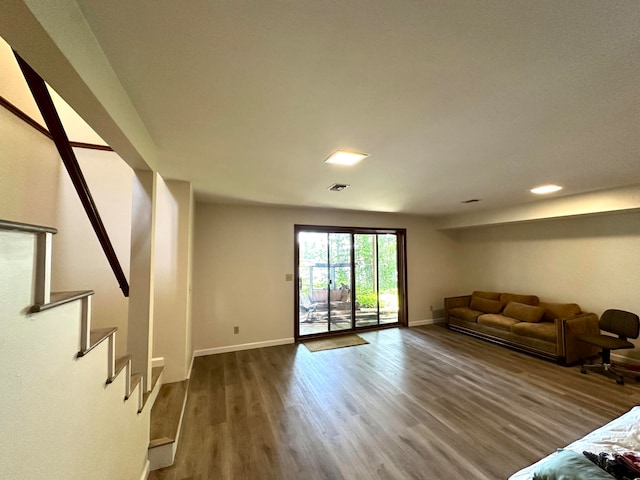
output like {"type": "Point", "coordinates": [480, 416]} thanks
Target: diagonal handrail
{"type": "Point", "coordinates": [50, 115]}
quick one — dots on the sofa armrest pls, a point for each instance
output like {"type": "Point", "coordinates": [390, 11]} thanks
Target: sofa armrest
{"type": "Point", "coordinates": [567, 329]}
{"type": "Point", "coordinates": [455, 302]}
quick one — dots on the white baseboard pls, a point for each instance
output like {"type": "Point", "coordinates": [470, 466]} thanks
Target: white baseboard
{"type": "Point", "coordinates": [244, 346]}
{"type": "Point", "coordinates": [145, 471]}
{"type": "Point", "coordinates": [428, 321]}
{"type": "Point", "coordinates": [157, 362]}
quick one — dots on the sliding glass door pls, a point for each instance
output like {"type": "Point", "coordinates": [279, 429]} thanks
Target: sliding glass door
{"type": "Point", "coordinates": [348, 279]}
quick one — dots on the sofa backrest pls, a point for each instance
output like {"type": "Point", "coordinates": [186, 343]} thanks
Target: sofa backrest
{"type": "Point", "coordinates": [487, 295]}
{"type": "Point", "coordinates": [559, 310]}
{"type": "Point", "coordinates": [505, 298]}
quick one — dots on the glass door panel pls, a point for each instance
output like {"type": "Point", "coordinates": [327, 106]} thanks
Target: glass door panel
{"type": "Point", "coordinates": [313, 283]}
{"type": "Point", "coordinates": [365, 252]}
{"type": "Point", "coordinates": [340, 282]}
{"type": "Point", "coordinates": [388, 278]}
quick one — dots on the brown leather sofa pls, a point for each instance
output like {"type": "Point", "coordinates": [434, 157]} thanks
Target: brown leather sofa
{"type": "Point", "coordinates": [525, 323]}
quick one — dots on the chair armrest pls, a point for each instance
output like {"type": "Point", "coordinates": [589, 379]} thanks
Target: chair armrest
{"type": "Point", "coordinates": [567, 329]}
{"type": "Point", "coordinates": [455, 302]}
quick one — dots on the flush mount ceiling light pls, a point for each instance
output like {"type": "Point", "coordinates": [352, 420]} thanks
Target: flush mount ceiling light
{"type": "Point", "coordinates": [545, 189]}
{"type": "Point", "coordinates": [337, 187]}
{"type": "Point", "coordinates": [342, 157]}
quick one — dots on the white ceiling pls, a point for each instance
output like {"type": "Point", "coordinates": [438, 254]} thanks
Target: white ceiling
{"type": "Point", "coordinates": [452, 99]}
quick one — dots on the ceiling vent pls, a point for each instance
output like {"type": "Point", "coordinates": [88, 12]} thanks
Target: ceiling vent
{"type": "Point", "coordinates": [337, 187]}
{"type": "Point", "coordinates": [473, 200]}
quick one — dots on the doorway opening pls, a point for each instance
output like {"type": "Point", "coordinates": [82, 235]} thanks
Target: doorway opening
{"type": "Point", "coordinates": [348, 279]}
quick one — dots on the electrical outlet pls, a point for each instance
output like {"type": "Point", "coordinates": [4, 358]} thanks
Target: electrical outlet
{"type": "Point", "coordinates": [236, 330]}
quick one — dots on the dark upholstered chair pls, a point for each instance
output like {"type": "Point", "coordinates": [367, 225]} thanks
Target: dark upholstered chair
{"type": "Point", "coordinates": [624, 325]}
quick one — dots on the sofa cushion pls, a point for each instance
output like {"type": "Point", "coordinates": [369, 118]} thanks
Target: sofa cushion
{"type": "Point", "coordinates": [559, 310]}
{"type": "Point", "coordinates": [487, 295]}
{"type": "Point", "coordinates": [523, 312]}
{"type": "Point", "coordinates": [485, 305]}
{"type": "Point", "coordinates": [513, 297]}
{"type": "Point", "coordinates": [465, 313]}
{"type": "Point", "coordinates": [542, 331]}
{"type": "Point", "coordinates": [497, 321]}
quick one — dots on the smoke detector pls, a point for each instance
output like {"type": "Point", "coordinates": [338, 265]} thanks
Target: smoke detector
{"type": "Point", "coordinates": [337, 187]}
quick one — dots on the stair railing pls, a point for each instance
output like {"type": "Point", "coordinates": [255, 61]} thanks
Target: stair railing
{"type": "Point", "coordinates": [50, 115]}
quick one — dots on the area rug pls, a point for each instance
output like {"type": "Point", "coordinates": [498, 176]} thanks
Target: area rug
{"type": "Point", "coordinates": [334, 342]}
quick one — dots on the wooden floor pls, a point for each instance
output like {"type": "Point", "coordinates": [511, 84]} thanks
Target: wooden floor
{"type": "Point", "coordinates": [420, 403]}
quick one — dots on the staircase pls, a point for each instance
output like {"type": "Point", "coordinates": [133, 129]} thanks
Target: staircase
{"type": "Point", "coordinates": [166, 423]}
{"type": "Point", "coordinates": [68, 407]}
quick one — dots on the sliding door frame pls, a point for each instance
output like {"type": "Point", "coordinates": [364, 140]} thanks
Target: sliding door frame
{"type": "Point", "coordinates": [401, 236]}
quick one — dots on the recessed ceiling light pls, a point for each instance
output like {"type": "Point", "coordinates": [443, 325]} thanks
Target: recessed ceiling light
{"type": "Point", "coordinates": [342, 157]}
{"type": "Point", "coordinates": [545, 189]}
{"type": "Point", "coordinates": [337, 187]}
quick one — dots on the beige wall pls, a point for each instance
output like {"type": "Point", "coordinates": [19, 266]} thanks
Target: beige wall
{"type": "Point", "coordinates": [614, 200]}
{"type": "Point", "coordinates": [171, 322]}
{"type": "Point", "coordinates": [13, 85]}
{"type": "Point", "coordinates": [79, 262]}
{"type": "Point", "coordinates": [593, 261]}
{"type": "Point", "coordinates": [30, 167]}
{"type": "Point", "coordinates": [242, 254]}
{"type": "Point", "coordinates": [35, 188]}
{"type": "Point", "coordinates": [15, 90]}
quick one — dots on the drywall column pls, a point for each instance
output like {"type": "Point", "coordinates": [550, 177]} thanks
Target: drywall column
{"type": "Point", "coordinates": [141, 298]}
{"type": "Point", "coordinates": [172, 322]}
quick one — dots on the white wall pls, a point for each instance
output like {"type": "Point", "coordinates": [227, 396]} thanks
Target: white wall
{"type": "Point", "coordinates": [242, 254]}
{"type": "Point", "coordinates": [171, 321]}
{"type": "Point", "coordinates": [593, 261]}
{"type": "Point", "coordinates": [57, 417]}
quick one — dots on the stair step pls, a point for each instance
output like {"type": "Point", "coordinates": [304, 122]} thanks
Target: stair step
{"type": "Point", "coordinates": [60, 298]}
{"type": "Point", "coordinates": [96, 337]}
{"type": "Point", "coordinates": [121, 363]}
{"type": "Point", "coordinates": [136, 378]}
{"type": "Point", "coordinates": [155, 376]}
{"type": "Point", "coordinates": [136, 382]}
{"type": "Point", "coordinates": [166, 414]}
